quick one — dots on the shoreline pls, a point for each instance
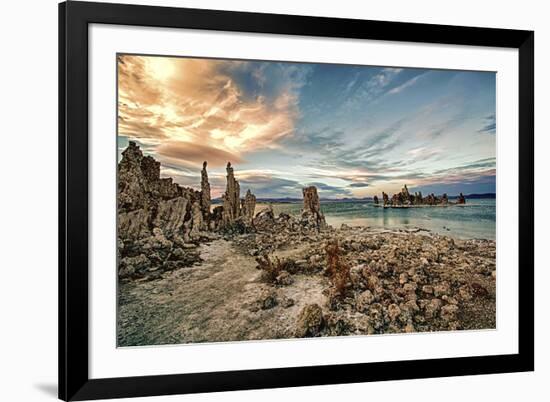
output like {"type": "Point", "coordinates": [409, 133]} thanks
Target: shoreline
{"type": "Point", "coordinates": [386, 218]}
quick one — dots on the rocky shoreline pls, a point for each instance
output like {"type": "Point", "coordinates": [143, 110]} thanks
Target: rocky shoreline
{"type": "Point", "coordinates": [191, 274]}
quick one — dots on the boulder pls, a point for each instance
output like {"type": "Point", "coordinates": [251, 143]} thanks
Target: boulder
{"type": "Point", "coordinates": [364, 300]}
{"type": "Point", "coordinates": [268, 299]}
{"type": "Point", "coordinates": [310, 321]}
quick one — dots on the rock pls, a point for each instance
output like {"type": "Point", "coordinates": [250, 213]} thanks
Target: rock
{"type": "Point", "coordinates": [265, 219]}
{"type": "Point", "coordinates": [405, 196]}
{"type": "Point", "coordinates": [151, 212]}
{"type": "Point", "coordinates": [449, 312]}
{"type": "Point", "coordinates": [231, 198]}
{"type": "Point", "coordinates": [403, 278]}
{"type": "Point", "coordinates": [134, 224]}
{"type": "Point", "coordinates": [216, 218]}
{"type": "Point", "coordinates": [287, 302]}
{"type": "Point", "coordinates": [197, 223]}
{"type": "Point", "coordinates": [373, 282]}
{"type": "Point", "coordinates": [427, 289]}
{"type": "Point", "coordinates": [268, 299]}
{"type": "Point", "coordinates": [130, 266]}
{"type": "Point", "coordinates": [338, 325]}
{"type": "Point", "coordinates": [284, 279]}
{"type": "Point", "coordinates": [139, 182]}
{"type": "Point", "coordinates": [432, 308]}
{"type": "Point", "coordinates": [409, 328]}
{"type": "Point", "coordinates": [405, 199]}
{"type": "Point", "coordinates": [376, 316]}
{"type": "Point", "coordinates": [248, 206]}
{"type": "Point", "coordinates": [464, 293]}
{"type": "Point", "coordinates": [310, 321]}
{"type": "Point", "coordinates": [478, 290]}
{"type": "Point", "coordinates": [158, 240]}
{"type": "Point", "coordinates": [126, 271]}
{"type": "Point", "coordinates": [412, 306]}
{"type": "Point", "coordinates": [177, 254]}
{"type": "Point", "coordinates": [449, 299]}
{"type": "Point", "coordinates": [205, 193]}
{"type": "Point", "coordinates": [315, 260]}
{"type": "Point", "coordinates": [311, 213]}
{"type": "Point", "coordinates": [356, 276]}
{"type": "Point", "coordinates": [364, 300]}
{"type": "Point", "coordinates": [393, 311]}
{"type": "Point", "coordinates": [441, 289]}
{"type": "Point", "coordinates": [409, 287]}
{"type": "Point", "coordinates": [170, 215]}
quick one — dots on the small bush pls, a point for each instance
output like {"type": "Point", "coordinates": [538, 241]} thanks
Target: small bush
{"type": "Point", "coordinates": [338, 270]}
{"type": "Point", "coordinates": [271, 269]}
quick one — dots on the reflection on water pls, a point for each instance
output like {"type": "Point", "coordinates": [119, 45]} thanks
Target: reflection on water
{"type": "Point", "coordinates": [474, 220]}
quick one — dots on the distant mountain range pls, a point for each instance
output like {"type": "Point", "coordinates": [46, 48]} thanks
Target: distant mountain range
{"type": "Point", "coordinates": [291, 200]}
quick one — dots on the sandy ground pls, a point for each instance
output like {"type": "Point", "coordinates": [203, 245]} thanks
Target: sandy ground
{"type": "Point", "coordinates": [211, 302]}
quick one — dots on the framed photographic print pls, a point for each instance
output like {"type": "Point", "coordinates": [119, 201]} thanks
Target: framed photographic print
{"type": "Point", "coordinates": [258, 201]}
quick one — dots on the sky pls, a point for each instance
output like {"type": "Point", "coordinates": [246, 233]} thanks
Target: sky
{"type": "Point", "coordinates": [352, 131]}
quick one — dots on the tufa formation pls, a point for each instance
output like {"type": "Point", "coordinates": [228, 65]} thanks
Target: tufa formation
{"type": "Point", "coordinates": [160, 223]}
{"type": "Point", "coordinates": [312, 208]}
{"type": "Point", "coordinates": [406, 199]}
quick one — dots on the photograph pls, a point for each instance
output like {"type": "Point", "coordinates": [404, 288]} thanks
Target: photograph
{"type": "Point", "coordinates": [264, 200]}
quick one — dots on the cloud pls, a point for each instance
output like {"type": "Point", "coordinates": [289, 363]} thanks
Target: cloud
{"type": "Point", "coordinates": [440, 129]}
{"type": "Point", "coordinates": [358, 161]}
{"type": "Point", "coordinates": [405, 85]}
{"type": "Point", "coordinates": [489, 126]}
{"type": "Point", "coordinates": [269, 185]}
{"type": "Point", "coordinates": [193, 154]}
{"type": "Point", "coordinates": [369, 89]}
{"type": "Point", "coordinates": [358, 185]}
{"type": "Point", "coordinates": [164, 100]}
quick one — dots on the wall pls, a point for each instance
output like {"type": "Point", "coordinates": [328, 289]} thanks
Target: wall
{"type": "Point", "coordinates": [28, 201]}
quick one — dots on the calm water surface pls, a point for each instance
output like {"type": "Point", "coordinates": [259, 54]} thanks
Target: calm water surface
{"type": "Point", "coordinates": [474, 220]}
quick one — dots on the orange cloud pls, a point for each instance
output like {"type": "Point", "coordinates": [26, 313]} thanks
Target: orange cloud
{"type": "Point", "coordinates": [177, 103]}
{"type": "Point", "coordinates": [193, 154]}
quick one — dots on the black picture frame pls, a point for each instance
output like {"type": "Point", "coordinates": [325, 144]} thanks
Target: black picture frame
{"type": "Point", "coordinates": [74, 18]}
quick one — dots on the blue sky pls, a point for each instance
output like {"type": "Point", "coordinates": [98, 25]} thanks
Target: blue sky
{"type": "Point", "coordinates": [353, 131]}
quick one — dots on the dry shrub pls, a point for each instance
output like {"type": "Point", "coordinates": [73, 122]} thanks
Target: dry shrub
{"type": "Point", "coordinates": [272, 268]}
{"type": "Point", "coordinates": [338, 270]}
{"type": "Point", "coordinates": [333, 257]}
{"type": "Point", "coordinates": [290, 266]}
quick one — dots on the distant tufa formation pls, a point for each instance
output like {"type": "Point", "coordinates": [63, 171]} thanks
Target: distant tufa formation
{"type": "Point", "coordinates": [404, 198]}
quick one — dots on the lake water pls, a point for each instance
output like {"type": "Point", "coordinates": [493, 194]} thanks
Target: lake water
{"type": "Point", "coordinates": [476, 219]}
